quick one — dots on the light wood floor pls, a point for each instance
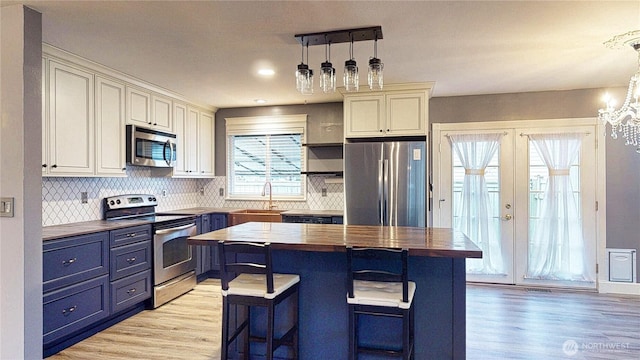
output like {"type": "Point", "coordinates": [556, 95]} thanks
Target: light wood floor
{"type": "Point", "coordinates": [502, 323]}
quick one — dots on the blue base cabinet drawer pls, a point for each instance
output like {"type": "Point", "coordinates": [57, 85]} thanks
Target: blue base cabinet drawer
{"type": "Point", "coordinates": [71, 260]}
{"type": "Point", "coordinates": [130, 259]}
{"type": "Point", "coordinates": [130, 235]}
{"type": "Point", "coordinates": [130, 291]}
{"type": "Point", "coordinates": [74, 307]}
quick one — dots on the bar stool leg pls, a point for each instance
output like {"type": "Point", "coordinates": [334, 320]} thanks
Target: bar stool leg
{"type": "Point", "coordinates": [270, 330]}
{"type": "Point", "coordinates": [225, 328]}
{"type": "Point", "coordinates": [353, 339]}
{"type": "Point", "coordinates": [296, 340]}
{"type": "Point", "coordinates": [405, 334]}
{"type": "Point", "coordinates": [247, 334]}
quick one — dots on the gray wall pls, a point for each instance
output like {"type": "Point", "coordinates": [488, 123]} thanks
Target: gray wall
{"type": "Point", "coordinates": [20, 178]}
{"type": "Point", "coordinates": [327, 112]}
{"type": "Point", "coordinates": [623, 163]}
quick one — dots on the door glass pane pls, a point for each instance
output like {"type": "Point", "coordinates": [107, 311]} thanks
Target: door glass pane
{"type": "Point", "coordinates": [562, 251]}
{"type": "Point", "coordinates": [492, 181]}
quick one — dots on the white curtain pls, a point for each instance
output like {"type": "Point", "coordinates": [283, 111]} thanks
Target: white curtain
{"type": "Point", "coordinates": [474, 215]}
{"type": "Point", "coordinates": [556, 246]}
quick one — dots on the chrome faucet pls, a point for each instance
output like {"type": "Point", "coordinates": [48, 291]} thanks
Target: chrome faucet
{"type": "Point", "coordinates": [264, 190]}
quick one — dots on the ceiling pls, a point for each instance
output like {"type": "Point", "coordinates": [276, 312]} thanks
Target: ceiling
{"type": "Point", "coordinates": [210, 51]}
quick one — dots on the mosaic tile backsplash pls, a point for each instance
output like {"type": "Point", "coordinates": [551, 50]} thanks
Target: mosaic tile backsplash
{"type": "Point", "coordinates": [61, 197]}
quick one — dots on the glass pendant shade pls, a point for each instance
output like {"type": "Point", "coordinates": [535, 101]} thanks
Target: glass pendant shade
{"type": "Point", "coordinates": [351, 81]}
{"type": "Point", "coordinates": [327, 78]}
{"type": "Point", "coordinates": [304, 79]}
{"type": "Point", "coordinates": [375, 74]}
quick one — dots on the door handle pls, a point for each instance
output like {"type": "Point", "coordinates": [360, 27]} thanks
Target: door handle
{"type": "Point", "coordinates": [507, 217]}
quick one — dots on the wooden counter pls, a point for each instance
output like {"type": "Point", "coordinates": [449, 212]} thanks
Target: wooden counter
{"type": "Point", "coordinates": [317, 253]}
{"type": "Point", "coordinates": [435, 242]}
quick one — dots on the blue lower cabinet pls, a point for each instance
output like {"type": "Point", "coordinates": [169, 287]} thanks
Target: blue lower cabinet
{"type": "Point", "coordinates": [130, 259]}
{"type": "Point", "coordinates": [130, 291]}
{"type": "Point", "coordinates": [74, 259]}
{"type": "Point", "coordinates": [72, 308]}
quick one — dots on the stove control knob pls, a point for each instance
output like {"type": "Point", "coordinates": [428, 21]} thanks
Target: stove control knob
{"type": "Point", "coordinates": [111, 202]}
{"type": "Point", "coordinates": [154, 199]}
{"type": "Point", "coordinates": [118, 201]}
{"type": "Point", "coordinates": [150, 198]}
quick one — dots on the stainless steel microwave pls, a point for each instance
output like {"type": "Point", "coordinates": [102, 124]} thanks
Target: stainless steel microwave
{"type": "Point", "coordinates": [147, 147]}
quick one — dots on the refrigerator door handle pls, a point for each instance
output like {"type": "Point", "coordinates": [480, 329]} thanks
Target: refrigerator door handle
{"type": "Point", "coordinates": [385, 219]}
{"type": "Point", "coordinates": [380, 192]}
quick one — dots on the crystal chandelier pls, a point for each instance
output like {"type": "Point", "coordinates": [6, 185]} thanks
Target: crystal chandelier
{"type": "Point", "coordinates": [304, 75]}
{"type": "Point", "coordinates": [625, 120]}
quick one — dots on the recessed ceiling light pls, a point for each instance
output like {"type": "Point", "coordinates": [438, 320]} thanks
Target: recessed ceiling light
{"type": "Point", "coordinates": [266, 72]}
{"type": "Point", "coordinates": [260, 101]}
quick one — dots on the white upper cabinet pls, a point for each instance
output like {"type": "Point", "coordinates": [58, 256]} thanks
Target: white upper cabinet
{"type": "Point", "coordinates": [110, 127]}
{"type": "Point", "coordinates": [196, 141]}
{"type": "Point", "coordinates": [179, 118]}
{"type": "Point", "coordinates": [138, 107]}
{"type": "Point", "coordinates": [161, 113]}
{"type": "Point", "coordinates": [400, 110]}
{"type": "Point", "coordinates": [149, 110]}
{"type": "Point", "coordinates": [206, 135]}
{"type": "Point", "coordinates": [70, 128]}
{"type": "Point", "coordinates": [85, 110]}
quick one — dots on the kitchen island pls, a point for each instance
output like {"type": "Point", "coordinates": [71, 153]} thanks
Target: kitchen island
{"type": "Point", "coordinates": [317, 253]}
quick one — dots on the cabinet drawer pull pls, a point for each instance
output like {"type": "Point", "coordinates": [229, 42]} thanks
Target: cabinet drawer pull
{"type": "Point", "coordinates": [68, 262]}
{"type": "Point", "coordinates": [131, 291]}
{"type": "Point", "coordinates": [68, 311]}
{"type": "Point", "coordinates": [131, 260]}
{"type": "Point", "coordinates": [131, 235]}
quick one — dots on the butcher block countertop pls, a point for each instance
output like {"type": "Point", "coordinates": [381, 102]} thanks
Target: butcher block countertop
{"type": "Point", "coordinates": [434, 242]}
{"type": "Point", "coordinates": [87, 227]}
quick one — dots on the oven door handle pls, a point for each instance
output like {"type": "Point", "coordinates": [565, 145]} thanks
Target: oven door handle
{"type": "Point", "coordinates": [166, 231]}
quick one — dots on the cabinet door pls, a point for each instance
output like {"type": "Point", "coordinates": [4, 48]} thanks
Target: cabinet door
{"type": "Point", "coordinates": [110, 126]}
{"type": "Point", "coordinates": [218, 221]}
{"type": "Point", "coordinates": [138, 107]}
{"type": "Point", "coordinates": [206, 147]}
{"type": "Point", "coordinates": [179, 126]}
{"type": "Point", "coordinates": [161, 112]}
{"type": "Point", "coordinates": [193, 118]}
{"type": "Point", "coordinates": [406, 113]}
{"type": "Point", "coordinates": [71, 120]}
{"type": "Point", "coordinates": [45, 119]}
{"type": "Point", "coordinates": [364, 115]}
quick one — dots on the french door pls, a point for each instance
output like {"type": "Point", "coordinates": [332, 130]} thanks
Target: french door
{"type": "Point", "coordinates": [510, 204]}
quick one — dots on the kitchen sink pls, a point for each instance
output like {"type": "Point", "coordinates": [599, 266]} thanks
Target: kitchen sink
{"type": "Point", "coordinates": [260, 215]}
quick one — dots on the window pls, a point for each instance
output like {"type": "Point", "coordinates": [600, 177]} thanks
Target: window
{"type": "Point", "coordinates": [266, 149]}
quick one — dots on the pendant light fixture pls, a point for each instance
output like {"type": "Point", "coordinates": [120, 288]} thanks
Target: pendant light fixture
{"type": "Point", "coordinates": [304, 75]}
{"type": "Point", "coordinates": [351, 81]}
{"type": "Point", "coordinates": [374, 76]}
{"type": "Point", "coordinates": [327, 72]}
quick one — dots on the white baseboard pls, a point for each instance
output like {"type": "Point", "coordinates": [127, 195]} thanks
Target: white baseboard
{"type": "Point", "coordinates": [609, 287]}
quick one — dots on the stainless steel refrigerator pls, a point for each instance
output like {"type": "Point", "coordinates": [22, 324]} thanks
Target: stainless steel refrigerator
{"type": "Point", "coordinates": [385, 183]}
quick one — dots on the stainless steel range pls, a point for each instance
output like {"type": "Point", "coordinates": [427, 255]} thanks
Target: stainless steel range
{"type": "Point", "coordinates": [174, 261]}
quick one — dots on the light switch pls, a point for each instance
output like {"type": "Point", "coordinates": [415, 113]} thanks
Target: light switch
{"type": "Point", "coordinates": [6, 206]}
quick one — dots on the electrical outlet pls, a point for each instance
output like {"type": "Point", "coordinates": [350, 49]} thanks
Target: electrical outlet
{"type": "Point", "coordinates": [84, 198]}
{"type": "Point", "coordinates": [221, 191]}
{"type": "Point", "coordinates": [202, 191]}
{"type": "Point", "coordinates": [324, 192]}
{"type": "Point", "coordinates": [164, 192]}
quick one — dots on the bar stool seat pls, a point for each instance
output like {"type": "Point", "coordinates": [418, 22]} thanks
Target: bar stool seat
{"type": "Point", "coordinates": [377, 293]}
{"type": "Point", "coordinates": [253, 284]}
{"type": "Point", "coordinates": [374, 290]}
{"type": "Point", "coordinates": [256, 285]}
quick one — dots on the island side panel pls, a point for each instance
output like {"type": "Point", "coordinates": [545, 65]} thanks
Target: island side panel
{"type": "Point", "coordinates": [323, 307]}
